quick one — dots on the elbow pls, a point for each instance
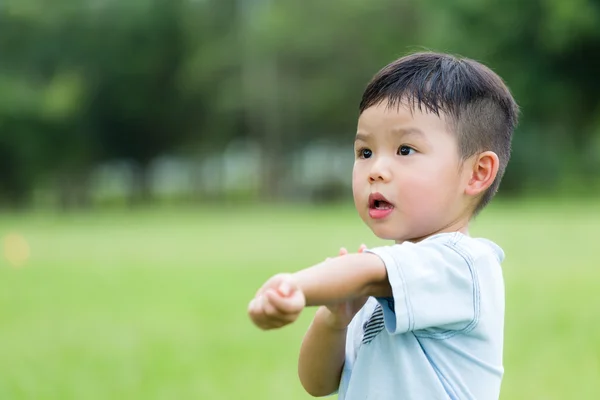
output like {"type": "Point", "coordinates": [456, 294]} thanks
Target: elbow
{"type": "Point", "coordinates": [317, 392]}
{"type": "Point", "coordinates": [316, 388]}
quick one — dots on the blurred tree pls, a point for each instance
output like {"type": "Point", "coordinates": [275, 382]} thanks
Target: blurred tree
{"type": "Point", "coordinates": [304, 68]}
{"type": "Point", "coordinates": [209, 80]}
{"type": "Point", "coordinates": [542, 49]}
{"type": "Point", "coordinates": [135, 108]}
{"type": "Point", "coordinates": [38, 99]}
{"type": "Point", "coordinates": [83, 82]}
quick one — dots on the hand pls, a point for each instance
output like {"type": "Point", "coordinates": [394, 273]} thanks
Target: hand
{"type": "Point", "coordinates": [277, 303]}
{"type": "Point", "coordinates": [341, 314]}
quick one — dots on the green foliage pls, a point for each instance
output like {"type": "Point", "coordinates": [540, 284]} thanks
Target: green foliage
{"type": "Point", "coordinates": [85, 81]}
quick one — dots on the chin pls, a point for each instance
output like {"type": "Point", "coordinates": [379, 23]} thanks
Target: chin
{"type": "Point", "coordinates": [386, 234]}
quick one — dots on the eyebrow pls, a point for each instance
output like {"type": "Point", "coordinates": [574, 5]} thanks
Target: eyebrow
{"type": "Point", "coordinates": [399, 131]}
{"type": "Point", "coordinates": [361, 136]}
{"type": "Point", "coordinates": [409, 131]}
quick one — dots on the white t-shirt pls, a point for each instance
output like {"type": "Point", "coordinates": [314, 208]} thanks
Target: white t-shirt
{"type": "Point", "coordinates": [441, 334]}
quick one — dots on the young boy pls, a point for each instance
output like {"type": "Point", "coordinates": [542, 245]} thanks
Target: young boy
{"type": "Point", "coordinates": [422, 318]}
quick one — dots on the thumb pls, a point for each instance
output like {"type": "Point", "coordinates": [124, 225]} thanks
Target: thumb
{"type": "Point", "coordinates": [297, 300]}
{"type": "Point", "coordinates": [286, 287]}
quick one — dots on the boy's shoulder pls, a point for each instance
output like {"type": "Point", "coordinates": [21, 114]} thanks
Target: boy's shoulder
{"type": "Point", "coordinates": [448, 246]}
{"type": "Point", "coordinates": [467, 246]}
{"type": "Point", "coordinates": [438, 282]}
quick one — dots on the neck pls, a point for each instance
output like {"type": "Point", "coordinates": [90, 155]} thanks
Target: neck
{"type": "Point", "coordinates": [460, 224]}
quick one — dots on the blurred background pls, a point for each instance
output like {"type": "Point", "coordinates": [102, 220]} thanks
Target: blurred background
{"type": "Point", "coordinates": [160, 159]}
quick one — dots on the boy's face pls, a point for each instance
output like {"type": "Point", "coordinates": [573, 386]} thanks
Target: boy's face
{"type": "Point", "coordinates": [408, 179]}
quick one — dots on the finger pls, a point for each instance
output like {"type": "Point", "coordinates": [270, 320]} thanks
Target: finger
{"type": "Point", "coordinates": [259, 316]}
{"type": "Point", "coordinates": [272, 282]}
{"type": "Point", "coordinates": [343, 251]}
{"type": "Point", "coordinates": [250, 309]}
{"type": "Point", "coordinates": [255, 307]}
{"type": "Point", "coordinates": [268, 308]}
{"type": "Point", "coordinates": [251, 306]}
{"type": "Point", "coordinates": [286, 318]}
{"type": "Point", "coordinates": [362, 248]}
{"type": "Point", "coordinates": [277, 318]}
{"type": "Point", "coordinates": [285, 305]}
{"type": "Point", "coordinates": [256, 314]}
{"type": "Point", "coordinates": [296, 303]}
{"type": "Point", "coordinates": [285, 288]}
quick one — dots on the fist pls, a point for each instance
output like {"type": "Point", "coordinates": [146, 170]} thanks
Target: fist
{"type": "Point", "coordinates": [277, 303]}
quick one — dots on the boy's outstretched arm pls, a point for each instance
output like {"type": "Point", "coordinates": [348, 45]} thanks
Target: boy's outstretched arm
{"type": "Point", "coordinates": [343, 278]}
{"type": "Point", "coordinates": [281, 299]}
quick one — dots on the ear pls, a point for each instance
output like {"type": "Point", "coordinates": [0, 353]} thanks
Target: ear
{"type": "Point", "coordinates": [483, 172]}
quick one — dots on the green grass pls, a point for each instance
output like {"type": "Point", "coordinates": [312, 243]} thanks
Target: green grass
{"type": "Point", "coordinates": [152, 304]}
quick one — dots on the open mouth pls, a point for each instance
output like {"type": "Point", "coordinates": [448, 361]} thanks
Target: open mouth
{"type": "Point", "coordinates": [378, 202]}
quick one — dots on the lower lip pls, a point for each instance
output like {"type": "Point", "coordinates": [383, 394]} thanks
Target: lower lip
{"type": "Point", "coordinates": [377, 213]}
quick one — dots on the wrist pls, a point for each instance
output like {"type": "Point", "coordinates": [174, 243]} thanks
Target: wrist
{"type": "Point", "coordinates": [331, 320]}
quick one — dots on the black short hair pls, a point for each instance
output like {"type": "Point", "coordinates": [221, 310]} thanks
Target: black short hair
{"type": "Point", "coordinates": [479, 105]}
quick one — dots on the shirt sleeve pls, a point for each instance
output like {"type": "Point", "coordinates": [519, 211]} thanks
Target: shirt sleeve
{"type": "Point", "coordinates": [434, 287]}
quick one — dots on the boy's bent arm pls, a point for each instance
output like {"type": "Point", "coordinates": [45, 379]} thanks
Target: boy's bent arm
{"type": "Point", "coordinates": [322, 356]}
{"type": "Point", "coordinates": [344, 278]}
{"type": "Point", "coordinates": [322, 353]}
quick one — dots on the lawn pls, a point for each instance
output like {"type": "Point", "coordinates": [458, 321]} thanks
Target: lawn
{"type": "Point", "coordinates": [151, 304]}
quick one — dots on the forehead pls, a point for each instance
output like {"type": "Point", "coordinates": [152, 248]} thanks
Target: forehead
{"type": "Point", "coordinates": [383, 119]}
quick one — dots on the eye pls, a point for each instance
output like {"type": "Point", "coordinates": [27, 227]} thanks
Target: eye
{"type": "Point", "coordinates": [405, 150]}
{"type": "Point", "coordinates": [364, 153]}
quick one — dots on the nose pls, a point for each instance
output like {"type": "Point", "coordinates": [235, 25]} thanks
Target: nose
{"type": "Point", "coordinates": [380, 171]}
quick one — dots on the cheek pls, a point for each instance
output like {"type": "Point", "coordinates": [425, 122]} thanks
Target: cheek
{"type": "Point", "coordinates": [357, 176]}
{"type": "Point", "coordinates": [360, 187]}
{"type": "Point", "coordinates": [356, 183]}
{"type": "Point", "coordinates": [429, 190]}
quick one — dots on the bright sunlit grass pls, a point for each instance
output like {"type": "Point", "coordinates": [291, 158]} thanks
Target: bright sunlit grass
{"type": "Point", "coordinates": [152, 304]}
